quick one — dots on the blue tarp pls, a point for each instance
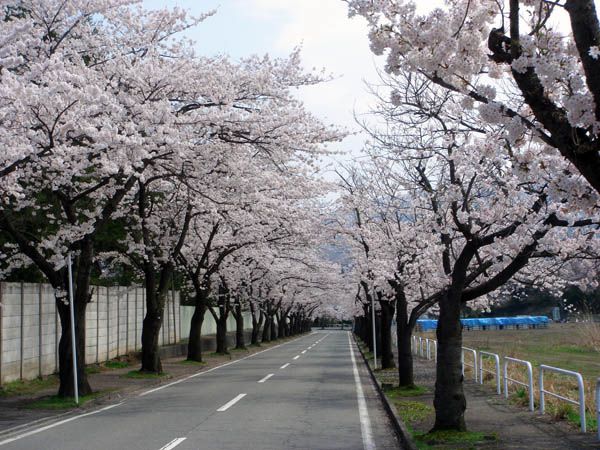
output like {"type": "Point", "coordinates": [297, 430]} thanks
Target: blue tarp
{"type": "Point", "coordinates": [491, 322]}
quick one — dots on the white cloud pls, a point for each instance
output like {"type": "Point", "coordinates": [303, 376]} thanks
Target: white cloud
{"type": "Point", "coordinates": [329, 40]}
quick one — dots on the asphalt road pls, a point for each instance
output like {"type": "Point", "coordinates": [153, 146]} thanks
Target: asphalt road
{"type": "Point", "coordinates": [310, 393]}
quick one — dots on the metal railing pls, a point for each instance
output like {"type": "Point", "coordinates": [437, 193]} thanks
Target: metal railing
{"type": "Point", "coordinates": [431, 343]}
{"type": "Point", "coordinates": [579, 379]}
{"type": "Point", "coordinates": [483, 369]}
{"type": "Point", "coordinates": [463, 363]}
{"type": "Point", "coordinates": [528, 385]}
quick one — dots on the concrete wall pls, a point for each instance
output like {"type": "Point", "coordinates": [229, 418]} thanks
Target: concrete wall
{"type": "Point", "coordinates": [30, 327]}
{"type": "Point", "coordinates": [209, 326]}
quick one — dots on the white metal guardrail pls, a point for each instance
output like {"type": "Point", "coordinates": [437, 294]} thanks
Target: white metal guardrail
{"type": "Point", "coordinates": [482, 369]}
{"type": "Point", "coordinates": [528, 385]}
{"type": "Point", "coordinates": [463, 363]}
{"type": "Point", "coordinates": [578, 377]}
{"type": "Point", "coordinates": [424, 347]}
{"type": "Point", "coordinates": [431, 343]}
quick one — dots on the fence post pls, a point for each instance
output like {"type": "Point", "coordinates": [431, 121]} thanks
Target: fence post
{"type": "Point", "coordinates": [22, 337]}
{"type": "Point", "coordinates": [40, 329]}
{"type": "Point", "coordinates": [107, 323]}
{"type": "Point", "coordinates": [118, 321]}
{"type": "Point", "coordinates": [174, 316]}
{"type": "Point", "coordinates": [127, 321]}
{"type": "Point", "coordinates": [136, 319]}
{"type": "Point", "coordinates": [97, 324]}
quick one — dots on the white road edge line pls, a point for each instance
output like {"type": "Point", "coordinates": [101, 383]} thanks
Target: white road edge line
{"type": "Point", "coordinates": [174, 443]}
{"type": "Point", "coordinates": [56, 424]}
{"type": "Point", "coordinates": [262, 380]}
{"type": "Point", "coordinates": [285, 365]}
{"type": "Point", "coordinates": [363, 412]}
{"type": "Point", "coordinates": [230, 403]}
{"type": "Point", "coordinates": [296, 357]}
{"type": "Point", "coordinates": [173, 383]}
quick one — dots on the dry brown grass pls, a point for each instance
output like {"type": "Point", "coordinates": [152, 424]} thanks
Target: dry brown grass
{"type": "Point", "coordinates": [560, 345]}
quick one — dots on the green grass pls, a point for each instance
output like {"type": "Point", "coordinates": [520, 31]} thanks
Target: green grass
{"type": "Point", "coordinates": [412, 391]}
{"type": "Point", "coordinates": [21, 387]}
{"type": "Point", "coordinates": [145, 375]}
{"type": "Point", "coordinates": [452, 439]}
{"type": "Point", "coordinates": [95, 368]}
{"type": "Point", "coordinates": [116, 364]}
{"type": "Point", "coordinates": [411, 411]}
{"type": "Point", "coordinates": [56, 402]}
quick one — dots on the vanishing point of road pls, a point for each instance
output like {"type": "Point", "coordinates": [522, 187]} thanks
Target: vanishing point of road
{"type": "Point", "coordinates": [310, 393]}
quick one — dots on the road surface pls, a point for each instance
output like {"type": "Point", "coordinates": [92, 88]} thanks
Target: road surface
{"type": "Point", "coordinates": [309, 393]}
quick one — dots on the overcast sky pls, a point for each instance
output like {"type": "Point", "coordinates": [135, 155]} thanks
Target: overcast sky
{"type": "Point", "coordinates": [329, 40]}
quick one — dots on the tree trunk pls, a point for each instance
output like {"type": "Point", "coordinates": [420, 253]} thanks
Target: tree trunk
{"type": "Point", "coordinates": [222, 335]}
{"type": "Point", "coordinates": [194, 352]}
{"type": "Point", "coordinates": [404, 332]}
{"type": "Point", "coordinates": [255, 325]}
{"type": "Point", "coordinates": [387, 314]}
{"type": "Point", "coordinates": [239, 327]}
{"type": "Point", "coordinates": [274, 335]}
{"type": "Point", "coordinates": [266, 334]}
{"type": "Point", "coordinates": [81, 296]}
{"type": "Point", "coordinates": [156, 287]}
{"type": "Point", "coordinates": [369, 328]}
{"type": "Point", "coordinates": [280, 326]}
{"type": "Point", "coordinates": [65, 354]}
{"type": "Point", "coordinates": [449, 402]}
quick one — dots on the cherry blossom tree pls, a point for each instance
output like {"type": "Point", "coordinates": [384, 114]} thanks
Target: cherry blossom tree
{"type": "Point", "coordinates": [480, 215]}
{"type": "Point", "coordinates": [529, 65]}
{"type": "Point", "coordinates": [83, 115]}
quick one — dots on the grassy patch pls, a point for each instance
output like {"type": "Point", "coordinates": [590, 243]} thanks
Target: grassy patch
{"type": "Point", "coordinates": [189, 362]}
{"type": "Point", "coordinates": [455, 439]}
{"type": "Point", "coordinates": [145, 375]}
{"type": "Point", "coordinates": [21, 387]}
{"type": "Point", "coordinates": [116, 364]}
{"type": "Point", "coordinates": [411, 411]}
{"type": "Point", "coordinates": [95, 368]}
{"type": "Point", "coordinates": [56, 402]}
{"type": "Point", "coordinates": [412, 391]}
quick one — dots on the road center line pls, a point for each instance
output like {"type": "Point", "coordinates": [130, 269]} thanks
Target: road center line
{"type": "Point", "coordinates": [174, 443]}
{"type": "Point", "coordinates": [173, 383]}
{"type": "Point", "coordinates": [303, 352]}
{"type": "Point", "coordinates": [285, 365]}
{"type": "Point", "coordinates": [363, 412]}
{"type": "Point", "coordinates": [262, 380]}
{"type": "Point", "coordinates": [296, 357]}
{"type": "Point", "coordinates": [56, 424]}
{"type": "Point", "coordinates": [230, 403]}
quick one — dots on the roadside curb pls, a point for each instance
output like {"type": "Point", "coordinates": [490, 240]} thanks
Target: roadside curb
{"type": "Point", "coordinates": [399, 427]}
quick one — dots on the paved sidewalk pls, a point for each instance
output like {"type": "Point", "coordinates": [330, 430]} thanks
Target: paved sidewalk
{"type": "Point", "coordinates": [517, 428]}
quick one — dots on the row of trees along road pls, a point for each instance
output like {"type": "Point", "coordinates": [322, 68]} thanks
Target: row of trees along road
{"type": "Point", "coordinates": [483, 166]}
{"type": "Point", "coordinates": [124, 147]}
